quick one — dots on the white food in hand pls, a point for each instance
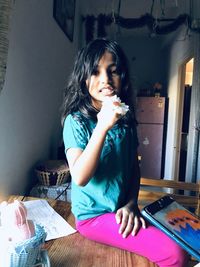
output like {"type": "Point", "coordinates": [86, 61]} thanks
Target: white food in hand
{"type": "Point", "coordinates": [120, 107]}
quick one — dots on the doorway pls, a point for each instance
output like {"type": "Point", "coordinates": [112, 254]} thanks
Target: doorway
{"type": "Point", "coordinates": [184, 118]}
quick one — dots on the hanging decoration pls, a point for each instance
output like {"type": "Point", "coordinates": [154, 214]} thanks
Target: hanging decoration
{"type": "Point", "coordinates": [103, 21]}
{"type": "Point", "coordinates": [131, 23]}
{"type": "Point", "coordinates": [89, 28]}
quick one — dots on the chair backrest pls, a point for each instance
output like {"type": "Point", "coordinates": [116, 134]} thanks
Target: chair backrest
{"type": "Point", "coordinates": [187, 194]}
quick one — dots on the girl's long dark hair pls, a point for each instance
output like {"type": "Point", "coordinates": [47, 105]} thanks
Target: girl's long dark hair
{"type": "Point", "coordinates": [76, 95]}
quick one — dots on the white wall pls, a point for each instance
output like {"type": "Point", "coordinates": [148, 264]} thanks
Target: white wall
{"type": "Point", "coordinates": [39, 60]}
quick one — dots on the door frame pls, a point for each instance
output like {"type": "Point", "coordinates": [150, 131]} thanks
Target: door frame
{"type": "Point", "coordinates": [179, 116]}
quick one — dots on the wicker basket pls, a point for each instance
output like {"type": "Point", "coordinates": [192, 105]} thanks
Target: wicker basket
{"type": "Point", "coordinates": [52, 172]}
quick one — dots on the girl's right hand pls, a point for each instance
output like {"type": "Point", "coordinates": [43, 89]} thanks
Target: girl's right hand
{"type": "Point", "coordinates": [108, 116]}
{"type": "Point", "coordinates": [130, 220]}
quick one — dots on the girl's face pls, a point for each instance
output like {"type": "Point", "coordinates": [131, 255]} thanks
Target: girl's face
{"type": "Point", "coordinates": [104, 81]}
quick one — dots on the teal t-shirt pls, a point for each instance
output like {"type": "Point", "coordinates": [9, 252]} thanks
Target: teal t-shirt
{"type": "Point", "coordinates": [107, 189]}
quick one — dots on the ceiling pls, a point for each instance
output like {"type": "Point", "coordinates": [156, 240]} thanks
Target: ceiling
{"type": "Point", "coordinates": [164, 11]}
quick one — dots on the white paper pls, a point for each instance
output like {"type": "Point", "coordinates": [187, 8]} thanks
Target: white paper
{"type": "Point", "coordinates": [42, 213]}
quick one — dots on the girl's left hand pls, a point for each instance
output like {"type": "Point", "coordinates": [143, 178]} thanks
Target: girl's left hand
{"type": "Point", "coordinates": [130, 220]}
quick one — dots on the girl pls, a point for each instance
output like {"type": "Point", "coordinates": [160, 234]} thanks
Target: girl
{"type": "Point", "coordinates": [101, 149]}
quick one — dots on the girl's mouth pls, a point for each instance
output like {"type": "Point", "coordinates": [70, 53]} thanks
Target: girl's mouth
{"type": "Point", "coordinates": [107, 91]}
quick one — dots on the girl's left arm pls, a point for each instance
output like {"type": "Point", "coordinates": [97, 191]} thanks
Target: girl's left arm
{"type": "Point", "coordinates": [129, 216]}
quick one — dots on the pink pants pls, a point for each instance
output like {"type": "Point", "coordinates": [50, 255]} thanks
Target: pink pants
{"type": "Point", "coordinates": [150, 242]}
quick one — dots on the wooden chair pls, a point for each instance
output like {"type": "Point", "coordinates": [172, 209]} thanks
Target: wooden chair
{"type": "Point", "coordinates": [187, 194]}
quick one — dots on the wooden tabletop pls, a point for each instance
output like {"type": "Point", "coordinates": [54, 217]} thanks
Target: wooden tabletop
{"type": "Point", "coordinates": [76, 251]}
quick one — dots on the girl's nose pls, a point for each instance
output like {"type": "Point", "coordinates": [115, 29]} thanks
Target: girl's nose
{"type": "Point", "coordinates": [104, 77]}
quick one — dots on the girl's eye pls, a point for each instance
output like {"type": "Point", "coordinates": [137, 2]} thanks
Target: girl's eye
{"type": "Point", "coordinates": [114, 72]}
{"type": "Point", "coordinates": [95, 72]}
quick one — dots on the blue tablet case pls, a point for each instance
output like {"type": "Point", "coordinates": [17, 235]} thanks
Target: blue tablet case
{"type": "Point", "coordinates": [177, 222]}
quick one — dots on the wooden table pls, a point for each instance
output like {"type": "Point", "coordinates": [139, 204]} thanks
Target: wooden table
{"type": "Point", "coordinates": [76, 251]}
